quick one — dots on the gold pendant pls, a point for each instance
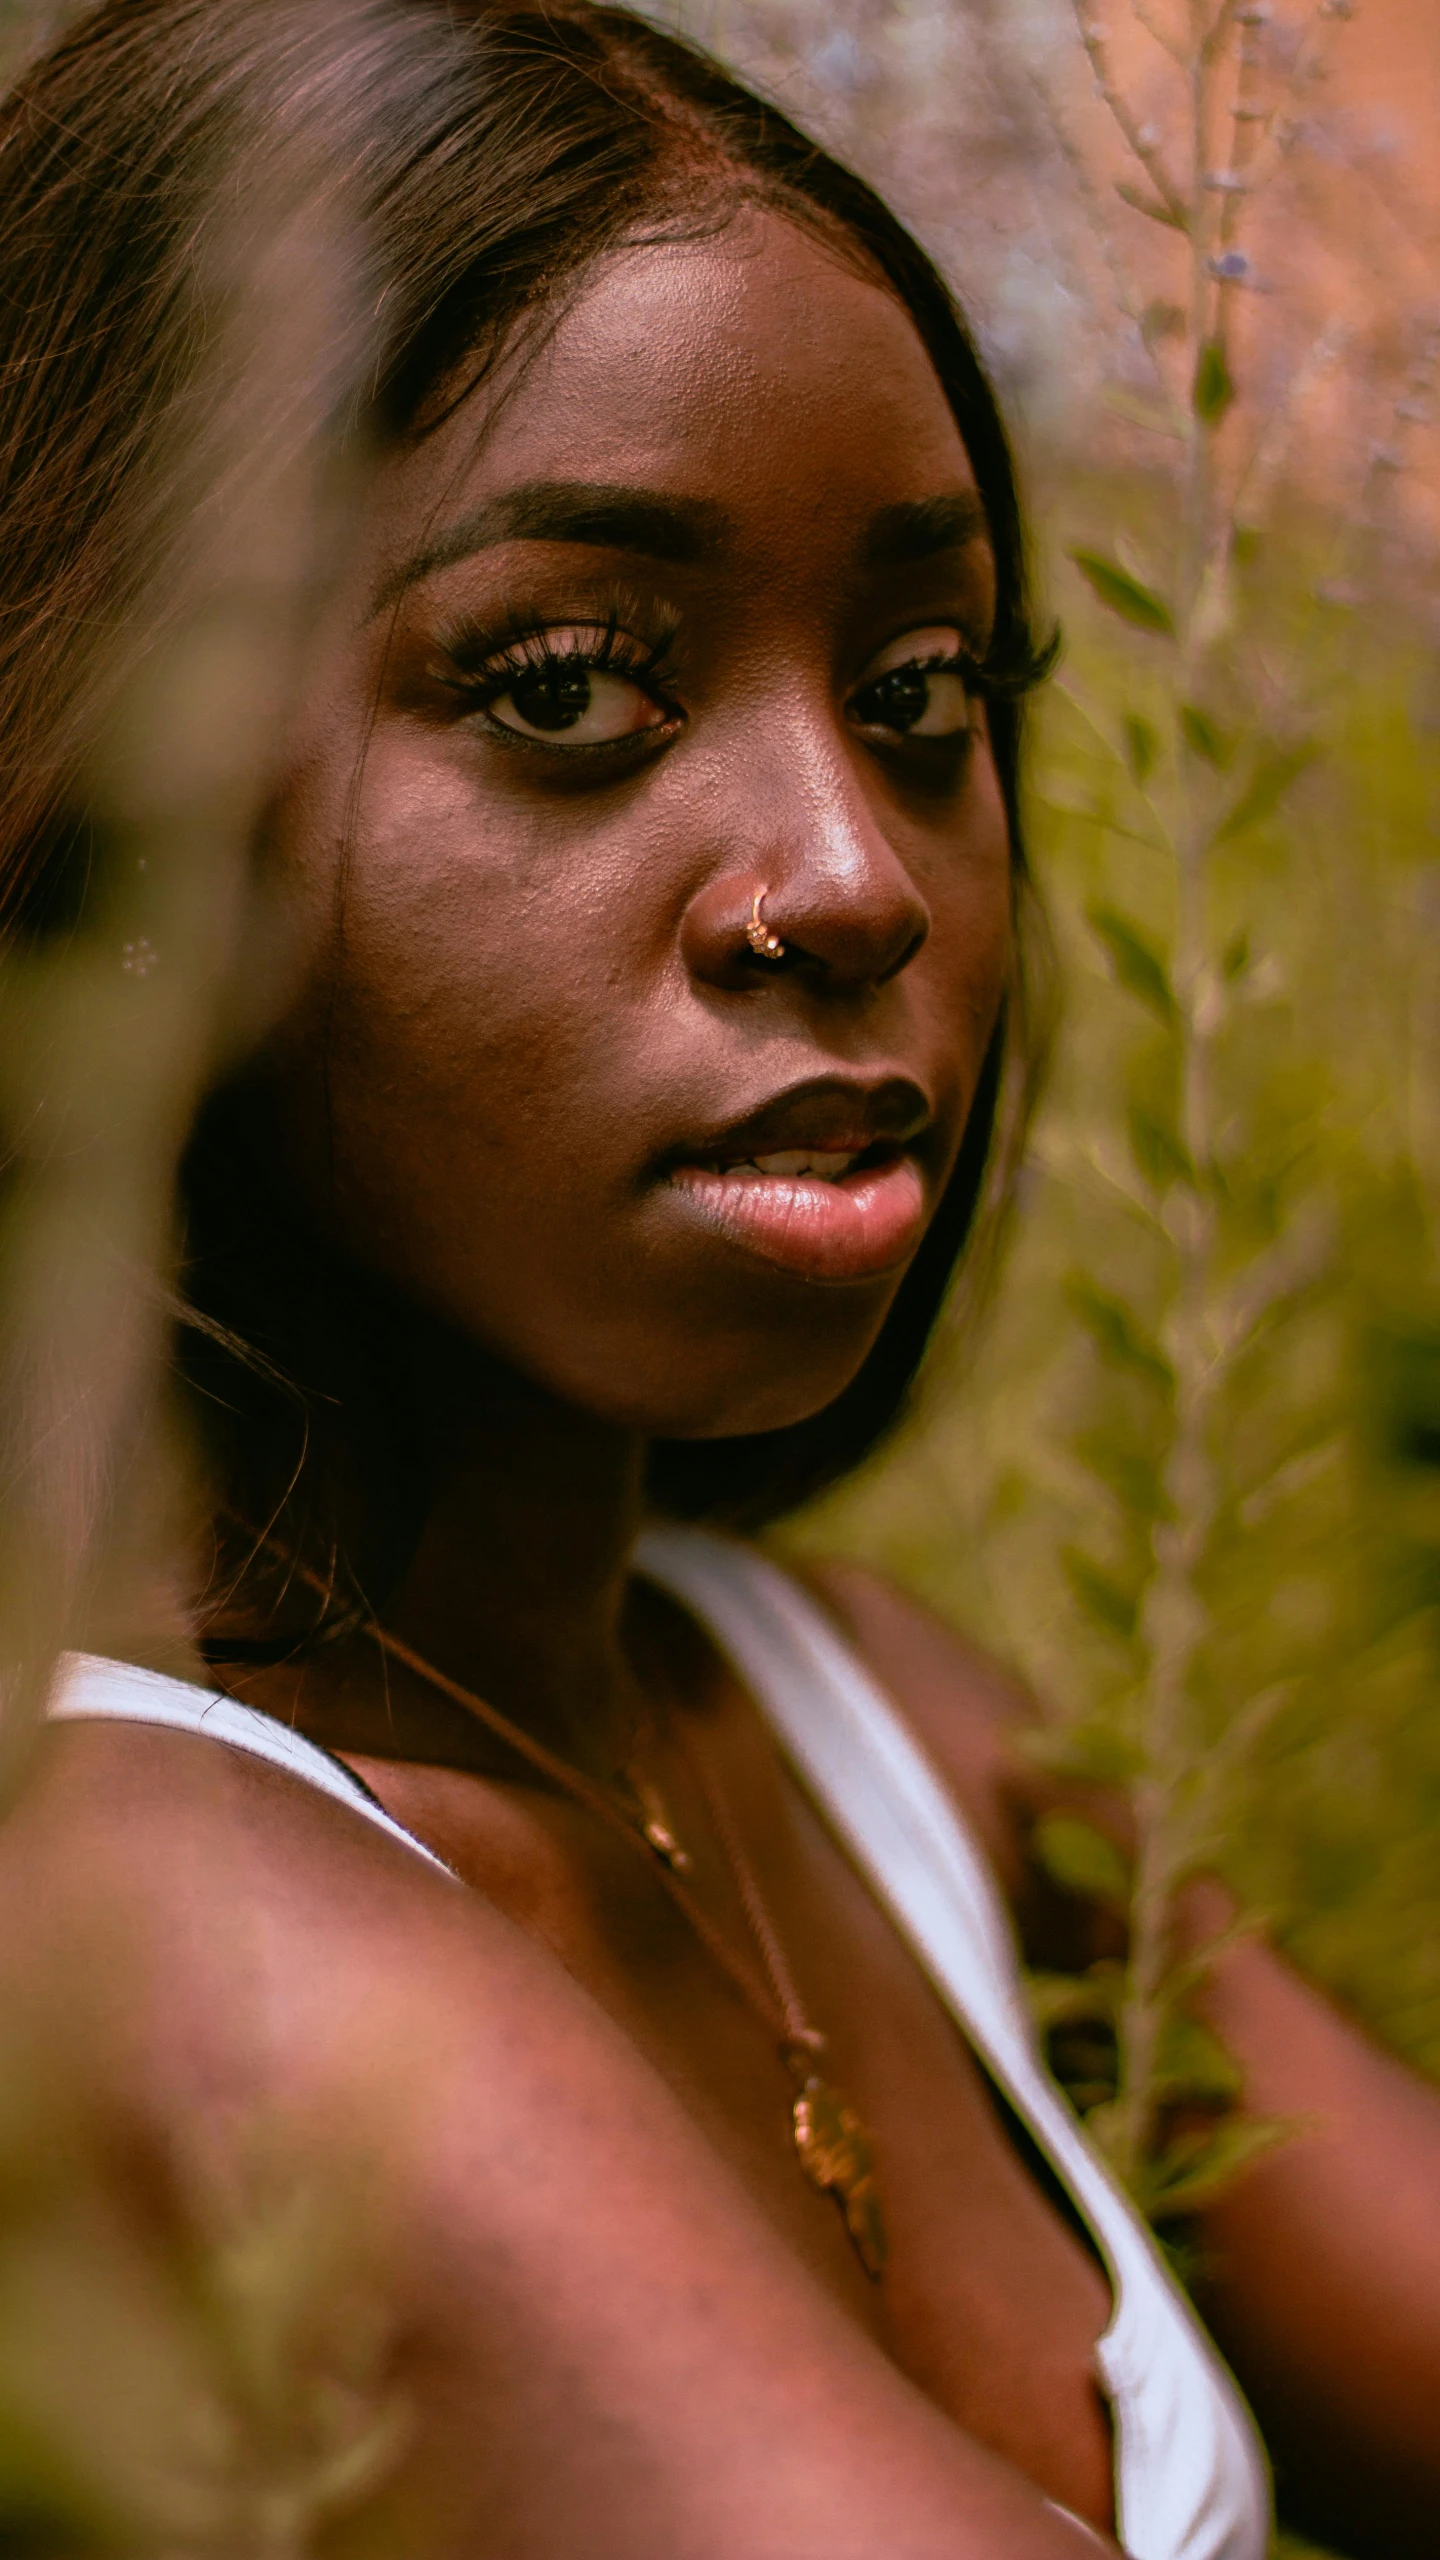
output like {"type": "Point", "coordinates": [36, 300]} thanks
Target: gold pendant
{"type": "Point", "coordinates": [656, 1827]}
{"type": "Point", "coordinates": [835, 2154]}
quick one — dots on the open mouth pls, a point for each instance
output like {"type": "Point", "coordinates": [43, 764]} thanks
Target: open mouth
{"type": "Point", "coordinates": [849, 1204]}
{"type": "Point", "coordinates": [804, 1164]}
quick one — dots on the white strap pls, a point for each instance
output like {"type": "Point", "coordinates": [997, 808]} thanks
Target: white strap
{"type": "Point", "coordinates": [90, 1687]}
{"type": "Point", "coordinates": [1190, 2484]}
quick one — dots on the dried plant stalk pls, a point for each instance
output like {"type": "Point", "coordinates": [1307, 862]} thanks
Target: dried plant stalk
{"type": "Point", "coordinates": [111, 1027]}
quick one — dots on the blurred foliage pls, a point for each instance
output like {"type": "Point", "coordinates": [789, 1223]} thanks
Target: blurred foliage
{"type": "Point", "coordinates": [26, 26]}
{"type": "Point", "coordinates": [200, 2376]}
{"type": "Point", "coordinates": [1227, 1226]}
{"type": "Point", "coordinates": [221, 2393]}
{"type": "Point", "coordinates": [1023, 1503]}
{"type": "Point", "coordinates": [1188, 1480]}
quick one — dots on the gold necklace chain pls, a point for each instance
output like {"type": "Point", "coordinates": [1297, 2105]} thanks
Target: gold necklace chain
{"type": "Point", "coordinates": [645, 1830]}
{"type": "Point", "coordinates": [831, 2143]}
{"type": "Point", "coordinates": [834, 2149]}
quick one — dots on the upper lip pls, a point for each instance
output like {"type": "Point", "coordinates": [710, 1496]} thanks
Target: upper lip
{"type": "Point", "coordinates": [831, 1114]}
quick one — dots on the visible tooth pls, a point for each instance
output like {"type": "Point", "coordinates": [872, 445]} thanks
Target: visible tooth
{"type": "Point", "coordinates": [828, 1163]}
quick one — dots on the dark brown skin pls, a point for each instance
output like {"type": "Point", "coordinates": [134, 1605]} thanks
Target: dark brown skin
{"type": "Point", "coordinates": [632, 2325]}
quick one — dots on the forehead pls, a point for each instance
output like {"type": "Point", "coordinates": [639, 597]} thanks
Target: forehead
{"type": "Point", "coordinates": [754, 372]}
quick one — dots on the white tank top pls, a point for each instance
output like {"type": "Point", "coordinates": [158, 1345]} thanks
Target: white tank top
{"type": "Point", "coordinates": [1190, 2479]}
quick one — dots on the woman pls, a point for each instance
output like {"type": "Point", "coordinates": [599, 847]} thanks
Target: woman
{"type": "Point", "coordinates": [647, 843]}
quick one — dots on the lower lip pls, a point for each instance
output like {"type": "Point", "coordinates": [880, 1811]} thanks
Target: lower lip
{"type": "Point", "coordinates": [856, 1229]}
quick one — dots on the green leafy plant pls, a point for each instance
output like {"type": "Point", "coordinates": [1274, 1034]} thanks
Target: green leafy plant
{"type": "Point", "coordinates": [1169, 1488]}
{"type": "Point", "coordinates": [1236, 1204]}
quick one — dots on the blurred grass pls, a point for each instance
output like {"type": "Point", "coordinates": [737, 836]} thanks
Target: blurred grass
{"type": "Point", "coordinates": [1019, 1500]}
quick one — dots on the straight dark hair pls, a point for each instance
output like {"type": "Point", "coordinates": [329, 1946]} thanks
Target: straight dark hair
{"type": "Point", "coordinates": [491, 154]}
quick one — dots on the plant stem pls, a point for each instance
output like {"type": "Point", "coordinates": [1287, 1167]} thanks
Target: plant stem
{"type": "Point", "coordinates": [1137, 138]}
{"type": "Point", "coordinates": [1173, 1617]}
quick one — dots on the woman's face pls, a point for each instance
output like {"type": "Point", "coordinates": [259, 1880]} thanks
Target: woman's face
{"type": "Point", "coordinates": [680, 624]}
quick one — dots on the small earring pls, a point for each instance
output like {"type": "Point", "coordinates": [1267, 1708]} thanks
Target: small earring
{"type": "Point", "coordinates": [765, 944]}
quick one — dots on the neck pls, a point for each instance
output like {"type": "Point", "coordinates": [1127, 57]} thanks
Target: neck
{"type": "Point", "coordinates": [517, 1588]}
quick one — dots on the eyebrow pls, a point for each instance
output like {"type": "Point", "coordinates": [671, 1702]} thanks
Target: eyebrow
{"type": "Point", "coordinates": [611, 516]}
{"type": "Point", "coordinates": [918, 528]}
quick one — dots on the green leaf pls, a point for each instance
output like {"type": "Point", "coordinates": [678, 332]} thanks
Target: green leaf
{"type": "Point", "coordinates": [1236, 959]}
{"type": "Point", "coordinates": [1090, 1751]}
{"type": "Point", "coordinates": [1199, 2168]}
{"type": "Point", "coordinates": [1264, 792]}
{"type": "Point", "coordinates": [1125, 595]}
{"type": "Point", "coordinates": [1100, 1595]}
{"type": "Point", "coordinates": [1203, 738]}
{"type": "Point", "coordinates": [1081, 1860]}
{"type": "Point", "coordinates": [1214, 389]}
{"type": "Point", "coordinates": [1132, 1477]}
{"type": "Point", "coordinates": [1137, 967]}
{"type": "Point", "coordinates": [1194, 2064]}
{"type": "Point", "coordinates": [1158, 1153]}
{"type": "Point", "coordinates": [1142, 746]}
{"type": "Point", "coordinates": [1154, 206]}
{"type": "Point", "coordinates": [1114, 1331]}
{"type": "Point", "coordinates": [1075, 1999]}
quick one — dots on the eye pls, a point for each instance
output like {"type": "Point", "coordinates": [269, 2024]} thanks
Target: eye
{"type": "Point", "coordinates": [577, 687]}
{"type": "Point", "coordinates": [586, 707]}
{"type": "Point", "coordinates": [918, 688]}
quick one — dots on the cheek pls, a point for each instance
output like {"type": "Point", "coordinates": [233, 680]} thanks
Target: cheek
{"type": "Point", "coordinates": [461, 988]}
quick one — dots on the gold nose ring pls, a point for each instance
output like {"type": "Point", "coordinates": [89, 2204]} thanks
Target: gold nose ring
{"type": "Point", "coordinates": [765, 944]}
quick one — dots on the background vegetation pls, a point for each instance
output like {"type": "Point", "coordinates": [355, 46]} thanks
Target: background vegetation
{"type": "Point", "coordinates": [1185, 1477]}
{"type": "Point", "coordinates": [1234, 790]}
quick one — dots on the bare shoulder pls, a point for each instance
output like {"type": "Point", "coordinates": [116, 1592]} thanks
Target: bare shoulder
{"type": "Point", "coordinates": [204, 1951]}
{"type": "Point", "coordinates": [203, 1946]}
{"type": "Point", "coordinates": [193, 1923]}
{"type": "Point", "coordinates": [590, 2311]}
{"type": "Point", "coordinates": [963, 1706]}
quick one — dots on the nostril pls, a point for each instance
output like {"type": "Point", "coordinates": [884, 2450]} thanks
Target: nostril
{"type": "Point", "coordinates": [737, 932]}
{"type": "Point", "coordinates": [732, 935]}
{"type": "Point", "coordinates": [912, 950]}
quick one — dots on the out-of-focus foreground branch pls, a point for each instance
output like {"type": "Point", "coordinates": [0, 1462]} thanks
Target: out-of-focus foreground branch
{"type": "Point", "coordinates": [113, 1019]}
{"type": "Point", "coordinates": [224, 2390]}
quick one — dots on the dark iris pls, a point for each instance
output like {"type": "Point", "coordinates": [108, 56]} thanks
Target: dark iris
{"type": "Point", "coordinates": [896, 700]}
{"type": "Point", "coordinates": [552, 698]}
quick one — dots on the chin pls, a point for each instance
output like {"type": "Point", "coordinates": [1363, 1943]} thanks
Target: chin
{"type": "Point", "coordinates": [771, 1390]}
{"type": "Point", "coordinates": [750, 1416]}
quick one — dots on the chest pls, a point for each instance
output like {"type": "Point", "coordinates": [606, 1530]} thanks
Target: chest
{"type": "Point", "coordinates": [991, 2301]}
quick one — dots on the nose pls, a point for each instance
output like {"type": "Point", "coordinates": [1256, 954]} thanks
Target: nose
{"type": "Point", "coordinates": [801, 844]}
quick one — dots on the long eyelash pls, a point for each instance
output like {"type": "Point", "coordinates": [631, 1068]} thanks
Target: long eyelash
{"type": "Point", "coordinates": [1014, 664]}
{"type": "Point", "coordinates": [488, 659]}
{"type": "Point", "coordinates": [1010, 668]}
